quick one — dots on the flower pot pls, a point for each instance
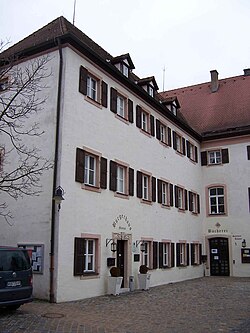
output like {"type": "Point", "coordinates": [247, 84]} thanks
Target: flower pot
{"type": "Point", "coordinates": [114, 285]}
{"type": "Point", "coordinates": [144, 281]}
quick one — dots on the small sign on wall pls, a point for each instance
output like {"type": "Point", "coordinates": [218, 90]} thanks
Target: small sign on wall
{"type": "Point", "coordinates": [36, 253]}
{"type": "Point", "coordinates": [245, 256]}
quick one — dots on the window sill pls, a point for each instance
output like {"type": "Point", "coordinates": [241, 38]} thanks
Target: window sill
{"type": "Point", "coordinates": [88, 276]}
{"type": "Point", "coordinates": [121, 195]}
{"type": "Point", "coordinates": [122, 119]}
{"type": "Point", "coordinates": [91, 188]}
{"type": "Point", "coordinates": [166, 206]}
{"type": "Point", "coordinates": [145, 133]}
{"type": "Point", "coordinates": [94, 102]}
{"type": "Point", "coordinates": [147, 202]}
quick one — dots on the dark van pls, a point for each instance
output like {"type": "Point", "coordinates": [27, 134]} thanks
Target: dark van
{"type": "Point", "coordinates": [15, 277]}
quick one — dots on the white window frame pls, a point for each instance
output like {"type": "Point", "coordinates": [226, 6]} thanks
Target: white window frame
{"type": "Point", "coordinates": [146, 254]}
{"type": "Point", "coordinates": [165, 194]}
{"type": "Point", "coordinates": [163, 130]}
{"type": "Point", "coordinates": [121, 106]}
{"type": "Point", "coordinates": [196, 254]}
{"type": "Point", "coordinates": [150, 91]}
{"type": "Point", "coordinates": [214, 157]}
{"type": "Point", "coordinates": [166, 254]}
{"type": "Point", "coordinates": [217, 197]}
{"type": "Point", "coordinates": [194, 202]}
{"type": "Point", "coordinates": [92, 87]}
{"type": "Point", "coordinates": [121, 179]}
{"type": "Point", "coordinates": [144, 121]}
{"type": "Point", "coordinates": [89, 170]}
{"type": "Point", "coordinates": [145, 187]}
{"type": "Point", "coordinates": [89, 258]}
{"type": "Point", "coordinates": [181, 198]}
{"type": "Point", "coordinates": [183, 260]}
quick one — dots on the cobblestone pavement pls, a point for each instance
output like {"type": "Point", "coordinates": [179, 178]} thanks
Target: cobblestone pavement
{"type": "Point", "coordinates": [209, 304]}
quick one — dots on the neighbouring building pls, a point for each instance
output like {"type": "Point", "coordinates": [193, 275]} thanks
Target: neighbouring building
{"type": "Point", "coordinates": [161, 178]}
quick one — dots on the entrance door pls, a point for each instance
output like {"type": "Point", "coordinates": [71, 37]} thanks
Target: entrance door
{"type": "Point", "coordinates": [219, 257]}
{"type": "Point", "coordinates": [120, 257]}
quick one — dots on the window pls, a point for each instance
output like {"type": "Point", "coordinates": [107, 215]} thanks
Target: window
{"type": "Point", "coordinates": [91, 169]}
{"type": "Point", "coordinates": [121, 106]}
{"type": "Point", "coordinates": [121, 178]}
{"type": "Point", "coordinates": [151, 91]}
{"type": "Point", "coordinates": [248, 152]}
{"type": "Point", "coordinates": [146, 186]}
{"type": "Point", "coordinates": [145, 121]}
{"type": "Point", "coordinates": [181, 198]}
{"type": "Point", "coordinates": [192, 152]}
{"type": "Point", "coordinates": [182, 253]}
{"type": "Point", "coordinates": [123, 68]}
{"type": "Point", "coordinates": [86, 255]}
{"type": "Point", "coordinates": [215, 157]}
{"type": "Point", "coordinates": [194, 202]}
{"type": "Point", "coordinates": [163, 133]}
{"type": "Point", "coordinates": [179, 143]}
{"type": "Point", "coordinates": [216, 200]}
{"type": "Point", "coordinates": [93, 87]}
{"type": "Point", "coordinates": [195, 254]}
{"type": "Point", "coordinates": [146, 255]}
{"type": "Point", "coordinates": [166, 251]}
{"type": "Point", "coordinates": [165, 193]}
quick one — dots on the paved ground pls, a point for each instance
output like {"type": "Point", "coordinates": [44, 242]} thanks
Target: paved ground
{"type": "Point", "coordinates": [210, 304]}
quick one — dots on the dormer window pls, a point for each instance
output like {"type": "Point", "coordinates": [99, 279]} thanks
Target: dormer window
{"type": "Point", "coordinates": [123, 63]}
{"type": "Point", "coordinates": [172, 104]}
{"type": "Point", "coordinates": [149, 84]}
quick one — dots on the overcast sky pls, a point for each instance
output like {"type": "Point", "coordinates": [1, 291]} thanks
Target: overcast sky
{"type": "Point", "coordinates": [187, 37]}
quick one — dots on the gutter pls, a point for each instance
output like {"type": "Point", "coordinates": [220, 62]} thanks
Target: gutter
{"type": "Point", "coordinates": [52, 238]}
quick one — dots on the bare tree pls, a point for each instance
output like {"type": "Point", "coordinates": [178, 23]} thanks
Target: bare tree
{"type": "Point", "coordinates": [21, 162]}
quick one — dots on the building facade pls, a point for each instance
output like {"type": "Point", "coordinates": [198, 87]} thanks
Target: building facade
{"type": "Point", "coordinates": [139, 176]}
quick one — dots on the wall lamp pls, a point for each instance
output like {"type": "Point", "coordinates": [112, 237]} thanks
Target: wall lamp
{"type": "Point", "coordinates": [244, 243]}
{"type": "Point", "coordinates": [143, 245]}
{"type": "Point", "coordinates": [113, 244]}
{"type": "Point", "coordinates": [58, 197]}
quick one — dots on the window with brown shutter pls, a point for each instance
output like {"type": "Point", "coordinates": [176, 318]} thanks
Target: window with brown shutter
{"type": "Point", "coordinates": [103, 178]}
{"type": "Point", "coordinates": [78, 256]}
{"type": "Point", "coordinates": [130, 111]}
{"type": "Point", "coordinates": [83, 80]}
{"type": "Point", "coordinates": [79, 172]}
{"type": "Point", "coordinates": [91, 86]}
{"type": "Point", "coordinates": [248, 152]}
{"type": "Point", "coordinates": [152, 125]}
{"type": "Point", "coordinates": [113, 100]}
{"type": "Point", "coordinates": [131, 182]}
{"type": "Point", "coordinates": [113, 176]}
{"type": "Point", "coordinates": [104, 94]}
{"type": "Point", "coordinates": [155, 255]}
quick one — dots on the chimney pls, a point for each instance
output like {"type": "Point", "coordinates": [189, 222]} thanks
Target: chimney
{"type": "Point", "coordinates": [246, 71]}
{"type": "Point", "coordinates": [214, 80]}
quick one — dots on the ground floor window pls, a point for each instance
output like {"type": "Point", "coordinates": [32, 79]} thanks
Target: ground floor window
{"type": "Point", "coordinates": [182, 254]}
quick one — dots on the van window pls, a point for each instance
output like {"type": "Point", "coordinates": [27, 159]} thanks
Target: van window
{"type": "Point", "coordinates": [14, 260]}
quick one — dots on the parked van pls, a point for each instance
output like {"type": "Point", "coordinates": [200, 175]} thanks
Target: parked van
{"type": "Point", "coordinates": [15, 277]}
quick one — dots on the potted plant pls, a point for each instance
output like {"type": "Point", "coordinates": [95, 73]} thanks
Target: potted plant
{"type": "Point", "coordinates": [114, 281]}
{"type": "Point", "coordinates": [143, 277]}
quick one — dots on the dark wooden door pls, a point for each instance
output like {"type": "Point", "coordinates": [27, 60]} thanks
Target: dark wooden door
{"type": "Point", "coordinates": [120, 258]}
{"type": "Point", "coordinates": [219, 257]}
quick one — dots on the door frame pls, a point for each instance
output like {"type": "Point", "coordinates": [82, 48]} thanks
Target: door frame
{"type": "Point", "coordinates": [230, 257]}
{"type": "Point", "coordinates": [127, 238]}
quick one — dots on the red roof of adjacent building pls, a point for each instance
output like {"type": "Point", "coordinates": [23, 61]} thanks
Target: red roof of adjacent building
{"type": "Point", "coordinates": [227, 109]}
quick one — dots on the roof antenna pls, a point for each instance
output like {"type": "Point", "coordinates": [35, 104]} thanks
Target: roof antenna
{"type": "Point", "coordinates": [163, 78]}
{"type": "Point", "coordinates": [74, 13]}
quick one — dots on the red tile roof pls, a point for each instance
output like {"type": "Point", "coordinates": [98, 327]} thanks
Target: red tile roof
{"type": "Point", "coordinates": [228, 108]}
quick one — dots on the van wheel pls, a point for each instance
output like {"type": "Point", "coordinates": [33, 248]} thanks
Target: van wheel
{"type": "Point", "coordinates": [13, 307]}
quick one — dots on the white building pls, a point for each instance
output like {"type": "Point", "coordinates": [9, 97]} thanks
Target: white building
{"type": "Point", "coordinates": [138, 169]}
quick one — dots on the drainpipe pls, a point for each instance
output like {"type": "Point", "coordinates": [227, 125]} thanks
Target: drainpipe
{"type": "Point", "coordinates": [52, 239]}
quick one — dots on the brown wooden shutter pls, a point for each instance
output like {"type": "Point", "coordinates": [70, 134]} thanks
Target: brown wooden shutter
{"type": "Point", "coordinates": [104, 94]}
{"type": "Point", "coordinates": [192, 254]}
{"type": "Point", "coordinates": [131, 181]}
{"type": "Point", "coordinates": [83, 80]}
{"type": "Point", "coordinates": [152, 125]}
{"type": "Point", "coordinates": [200, 250]}
{"type": "Point", "coordinates": [171, 195]}
{"type": "Point", "coordinates": [186, 199]}
{"type": "Point", "coordinates": [78, 256]}
{"type": "Point", "coordinates": [178, 254]}
{"type": "Point", "coordinates": [248, 152]}
{"type": "Point", "coordinates": [80, 159]}
{"type": "Point", "coordinates": [139, 184]}
{"type": "Point", "coordinates": [190, 201]}
{"type": "Point", "coordinates": [158, 133]}
{"type": "Point", "coordinates": [188, 149]}
{"type": "Point", "coordinates": [153, 189]}
{"type": "Point", "coordinates": [187, 252]}
{"type": "Point", "coordinates": [169, 137]}
{"type": "Point", "coordinates": [113, 100]}
{"type": "Point", "coordinates": [138, 116]}
{"type": "Point", "coordinates": [113, 176]}
{"type": "Point", "coordinates": [176, 196]}
{"type": "Point", "coordinates": [172, 255]}
{"type": "Point", "coordinates": [183, 146]}
{"type": "Point", "coordinates": [225, 156]}
{"type": "Point", "coordinates": [103, 178]}
{"type": "Point", "coordinates": [174, 141]}
{"type": "Point", "coordinates": [155, 255]}
{"type": "Point", "coordinates": [159, 190]}
{"type": "Point", "coordinates": [203, 158]}
{"type": "Point", "coordinates": [130, 111]}
{"type": "Point", "coordinates": [196, 154]}
{"type": "Point", "coordinates": [160, 255]}
{"type": "Point", "coordinates": [198, 204]}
